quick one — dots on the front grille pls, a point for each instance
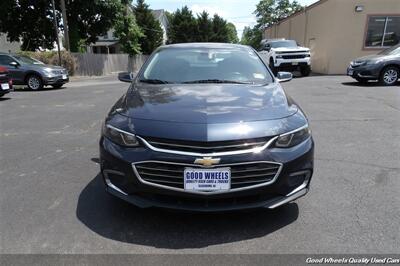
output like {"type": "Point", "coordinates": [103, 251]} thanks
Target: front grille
{"type": "Point", "coordinates": [242, 175]}
{"type": "Point", "coordinates": [297, 56]}
{"type": "Point", "coordinates": [207, 147]}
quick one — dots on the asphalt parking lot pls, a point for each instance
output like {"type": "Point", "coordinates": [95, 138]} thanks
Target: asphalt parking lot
{"type": "Point", "coordinates": [52, 198]}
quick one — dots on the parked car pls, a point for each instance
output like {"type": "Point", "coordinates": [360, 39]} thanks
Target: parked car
{"type": "Point", "coordinates": [28, 71]}
{"type": "Point", "coordinates": [286, 55]}
{"type": "Point", "coordinates": [384, 67]}
{"type": "Point", "coordinates": [206, 127]}
{"type": "Point", "coordinates": [5, 82]}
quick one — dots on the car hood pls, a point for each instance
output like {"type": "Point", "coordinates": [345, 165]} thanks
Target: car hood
{"type": "Point", "coordinates": [291, 49]}
{"type": "Point", "coordinates": [205, 103]}
{"type": "Point", "coordinates": [370, 57]}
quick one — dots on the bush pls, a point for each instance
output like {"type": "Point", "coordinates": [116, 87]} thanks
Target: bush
{"type": "Point", "coordinates": [67, 61]}
{"type": "Point", "coordinates": [51, 58]}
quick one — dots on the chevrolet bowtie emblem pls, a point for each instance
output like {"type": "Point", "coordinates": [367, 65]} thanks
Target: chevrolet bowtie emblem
{"type": "Point", "coordinates": [207, 161]}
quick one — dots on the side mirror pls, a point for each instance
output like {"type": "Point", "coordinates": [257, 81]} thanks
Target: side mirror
{"type": "Point", "coordinates": [126, 76]}
{"type": "Point", "coordinates": [284, 76]}
{"type": "Point", "coordinates": [14, 64]}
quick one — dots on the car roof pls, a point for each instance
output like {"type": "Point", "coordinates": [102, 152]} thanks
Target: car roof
{"type": "Point", "coordinates": [208, 45]}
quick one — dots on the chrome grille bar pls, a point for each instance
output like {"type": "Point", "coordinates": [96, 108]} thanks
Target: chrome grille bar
{"type": "Point", "coordinates": [219, 153]}
{"type": "Point", "coordinates": [243, 145]}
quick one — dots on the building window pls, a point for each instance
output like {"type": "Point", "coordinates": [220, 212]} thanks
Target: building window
{"type": "Point", "coordinates": [382, 31]}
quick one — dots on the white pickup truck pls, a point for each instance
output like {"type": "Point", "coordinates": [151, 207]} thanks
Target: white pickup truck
{"type": "Point", "coordinates": [286, 55]}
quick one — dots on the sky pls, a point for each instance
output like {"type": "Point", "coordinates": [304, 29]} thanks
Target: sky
{"type": "Point", "coordinates": [239, 12]}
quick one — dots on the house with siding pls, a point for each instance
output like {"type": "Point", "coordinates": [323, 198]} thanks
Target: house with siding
{"type": "Point", "coordinates": [8, 47]}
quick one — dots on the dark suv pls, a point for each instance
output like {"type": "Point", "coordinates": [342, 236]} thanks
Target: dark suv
{"type": "Point", "coordinates": [384, 67]}
{"type": "Point", "coordinates": [28, 71]}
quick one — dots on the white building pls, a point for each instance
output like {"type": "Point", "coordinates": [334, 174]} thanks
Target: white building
{"type": "Point", "coordinates": [160, 15]}
{"type": "Point", "coordinates": [8, 47]}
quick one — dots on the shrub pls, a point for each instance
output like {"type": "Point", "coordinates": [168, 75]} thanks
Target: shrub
{"type": "Point", "coordinates": [67, 61]}
{"type": "Point", "coordinates": [51, 58]}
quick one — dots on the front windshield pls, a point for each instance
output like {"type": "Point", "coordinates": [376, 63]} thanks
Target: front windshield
{"type": "Point", "coordinates": [395, 50]}
{"type": "Point", "coordinates": [278, 44]}
{"type": "Point", "coordinates": [206, 65]}
{"type": "Point", "coordinates": [27, 60]}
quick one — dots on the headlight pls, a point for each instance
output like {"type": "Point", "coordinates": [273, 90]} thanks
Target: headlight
{"type": "Point", "coordinates": [48, 71]}
{"type": "Point", "coordinates": [119, 136]}
{"type": "Point", "coordinates": [358, 63]}
{"type": "Point", "coordinates": [293, 138]}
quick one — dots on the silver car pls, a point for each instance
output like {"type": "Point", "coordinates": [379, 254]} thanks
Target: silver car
{"type": "Point", "coordinates": [24, 70]}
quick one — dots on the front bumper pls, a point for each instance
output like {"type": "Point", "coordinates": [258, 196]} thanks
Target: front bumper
{"type": "Point", "coordinates": [121, 180]}
{"type": "Point", "coordinates": [369, 72]}
{"type": "Point", "coordinates": [55, 80]}
{"type": "Point", "coordinates": [280, 62]}
{"type": "Point", "coordinates": [3, 92]}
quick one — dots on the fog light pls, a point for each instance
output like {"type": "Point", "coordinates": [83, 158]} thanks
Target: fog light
{"type": "Point", "coordinates": [114, 179]}
{"type": "Point", "coordinates": [299, 180]}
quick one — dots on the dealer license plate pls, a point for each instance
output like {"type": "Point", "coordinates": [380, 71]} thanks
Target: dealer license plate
{"type": "Point", "coordinates": [215, 179]}
{"type": "Point", "coordinates": [350, 72]}
{"type": "Point", "coordinates": [5, 86]}
{"type": "Point", "coordinates": [295, 63]}
{"type": "Point", "coordinates": [64, 76]}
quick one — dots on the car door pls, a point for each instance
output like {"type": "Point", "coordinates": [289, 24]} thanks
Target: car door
{"type": "Point", "coordinates": [16, 73]}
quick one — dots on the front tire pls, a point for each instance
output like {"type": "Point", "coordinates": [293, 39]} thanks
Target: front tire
{"type": "Point", "coordinates": [389, 76]}
{"type": "Point", "coordinates": [34, 82]}
{"type": "Point", "coordinates": [305, 71]}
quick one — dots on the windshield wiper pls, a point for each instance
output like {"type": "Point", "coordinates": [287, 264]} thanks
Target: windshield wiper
{"type": "Point", "coordinates": [218, 81]}
{"type": "Point", "coordinates": [154, 81]}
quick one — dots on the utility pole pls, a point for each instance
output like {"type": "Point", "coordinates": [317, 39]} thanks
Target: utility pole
{"type": "Point", "coordinates": [65, 23]}
{"type": "Point", "coordinates": [56, 31]}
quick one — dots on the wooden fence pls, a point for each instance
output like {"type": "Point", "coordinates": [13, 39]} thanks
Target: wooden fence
{"type": "Point", "coordinates": [88, 64]}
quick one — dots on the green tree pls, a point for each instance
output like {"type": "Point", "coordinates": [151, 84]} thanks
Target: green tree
{"type": "Point", "coordinates": [127, 31]}
{"type": "Point", "coordinates": [89, 19]}
{"type": "Point", "coordinates": [29, 20]}
{"type": "Point", "coordinates": [271, 11]}
{"type": "Point", "coordinates": [252, 37]}
{"type": "Point", "coordinates": [232, 33]}
{"type": "Point", "coordinates": [32, 21]}
{"type": "Point", "coordinates": [151, 28]}
{"type": "Point", "coordinates": [182, 27]}
{"type": "Point", "coordinates": [205, 29]}
{"type": "Point", "coordinates": [220, 30]}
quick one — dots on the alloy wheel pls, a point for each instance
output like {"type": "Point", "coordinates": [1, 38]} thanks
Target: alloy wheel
{"type": "Point", "coordinates": [34, 83]}
{"type": "Point", "coordinates": [390, 76]}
